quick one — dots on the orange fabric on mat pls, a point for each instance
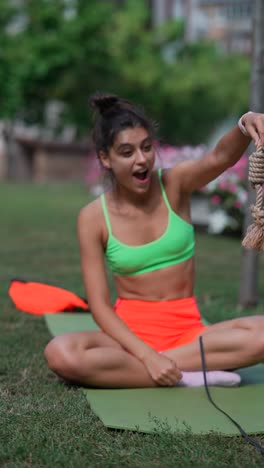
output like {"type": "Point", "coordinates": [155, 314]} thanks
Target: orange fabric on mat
{"type": "Point", "coordinates": [38, 298]}
{"type": "Point", "coordinates": [164, 324]}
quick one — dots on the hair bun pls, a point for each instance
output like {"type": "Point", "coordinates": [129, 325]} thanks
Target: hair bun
{"type": "Point", "coordinates": [104, 102]}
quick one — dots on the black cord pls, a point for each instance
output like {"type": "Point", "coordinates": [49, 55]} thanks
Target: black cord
{"type": "Point", "coordinates": [249, 439]}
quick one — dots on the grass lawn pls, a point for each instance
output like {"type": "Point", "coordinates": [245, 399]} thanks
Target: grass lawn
{"type": "Point", "coordinates": [44, 423]}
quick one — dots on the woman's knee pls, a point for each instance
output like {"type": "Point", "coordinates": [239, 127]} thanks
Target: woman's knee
{"type": "Point", "coordinates": [59, 358]}
{"type": "Point", "coordinates": [255, 322]}
{"type": "Point", "coordinates": [256, 345]}
{"type": "Point", "coordinates": [255, 335]}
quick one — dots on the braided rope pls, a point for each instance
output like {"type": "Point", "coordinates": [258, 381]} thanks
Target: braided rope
{"type": "Point", "coordinates": [254, 238]}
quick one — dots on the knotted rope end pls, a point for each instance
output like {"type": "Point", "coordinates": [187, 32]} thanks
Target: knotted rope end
{"type": "Point", "coordinates": [254, 238]}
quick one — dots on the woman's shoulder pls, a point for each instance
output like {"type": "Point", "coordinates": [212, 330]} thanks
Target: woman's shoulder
{"type": "Point", "coordinates": [168, 177]}
{"type": "Point", "coordinates": [171, 178]}
{"type": "Point", "coordinates": [91, 208]}
{"type": "Point", "coordinates": [91, 215]}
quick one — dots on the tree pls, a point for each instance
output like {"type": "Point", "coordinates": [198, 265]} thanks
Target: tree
{"type": "Point", "coordinates": [68, 49]}
{"type": "Point", "coordinates": [248, 294]}
{"type": "Point", "coordinates": [190, 93]}
{"type": "Point", "coordinates": [52, 56]}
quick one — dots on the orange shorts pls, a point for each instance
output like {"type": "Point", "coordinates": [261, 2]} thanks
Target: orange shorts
{"type": "Point", "coordinates": [162, 325]}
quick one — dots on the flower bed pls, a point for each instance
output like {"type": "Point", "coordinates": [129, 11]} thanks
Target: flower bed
{"type": "Point", "coordinates": [228, 198]}
{"type": "Point", "coordinates": [227, 195]}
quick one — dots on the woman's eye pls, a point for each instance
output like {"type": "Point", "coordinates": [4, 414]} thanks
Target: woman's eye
{"type": "Point", "coordinates": [127, 154]}
{"type": "Point", "coordinates": [148, 148]}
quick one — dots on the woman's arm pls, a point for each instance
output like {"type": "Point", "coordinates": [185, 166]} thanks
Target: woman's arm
{"type": "Point", "coordinates": [192, 175]}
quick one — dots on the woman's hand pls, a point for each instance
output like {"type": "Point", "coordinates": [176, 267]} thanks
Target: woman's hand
{"type": "Point", "coordinates": [254, 125]}
{"type": "Point", "coordinates": [162, 369]}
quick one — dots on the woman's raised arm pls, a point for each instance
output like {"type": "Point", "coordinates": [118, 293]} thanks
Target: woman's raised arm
{"type": "Point", "coordinates": [192, 175]}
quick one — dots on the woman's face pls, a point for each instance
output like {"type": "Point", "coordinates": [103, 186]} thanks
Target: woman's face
{"type": "Point", "coordinates": [131, 158]}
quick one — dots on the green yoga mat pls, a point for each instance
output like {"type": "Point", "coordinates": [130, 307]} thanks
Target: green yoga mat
{"type": "Point", "coordinates": [179, 409]}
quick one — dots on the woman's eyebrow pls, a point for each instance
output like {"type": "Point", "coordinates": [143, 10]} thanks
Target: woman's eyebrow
{"type": "Point", "coordinates": [129, 145]}
{"type": "Point", "coordinates": [124, 145]}
{"type": "Point", "coordinates": [146, 140]}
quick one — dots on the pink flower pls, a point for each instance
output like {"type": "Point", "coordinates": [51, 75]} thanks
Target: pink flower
{"type": "Point", "coordinates": [232, 188]}
{"type": "Point", "coordinates": [215, 199]}
{"type": "Point", "coordinates": [93, 170]}
{"type": "Point", "coordinates": [238, 204]}
{"type": "Point", "coordinates": [223, 184]}
{"type": "Point", "coordinates": [240, 168]}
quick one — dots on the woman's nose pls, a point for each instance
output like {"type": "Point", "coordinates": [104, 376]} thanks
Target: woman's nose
{"type": "Point", "coordinates": [140, 156]}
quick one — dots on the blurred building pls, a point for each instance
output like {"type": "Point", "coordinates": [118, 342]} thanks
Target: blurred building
{"type": "Point", "coordinates": [229, 22]}
{"type": "Point", "coordinates": [30, 160]}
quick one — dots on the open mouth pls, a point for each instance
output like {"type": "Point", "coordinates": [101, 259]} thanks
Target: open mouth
{"type": "Point", "coordinates": [141, 175]}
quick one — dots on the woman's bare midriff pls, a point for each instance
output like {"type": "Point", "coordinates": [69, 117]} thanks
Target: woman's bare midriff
{"type": "Point", "coordinates": [174, 282]}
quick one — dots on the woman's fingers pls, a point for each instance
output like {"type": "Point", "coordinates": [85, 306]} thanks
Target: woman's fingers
{"type": "Point", "coordinates": [258, 128]}
{"type": "Point", "coordinates": [163, 370]}
{"type": "Point", "coordinates": [170, 376]}
{"type": "Point", "coordinates": [254, 124]}
{"type": "Point", "coordinates": [254, 134]}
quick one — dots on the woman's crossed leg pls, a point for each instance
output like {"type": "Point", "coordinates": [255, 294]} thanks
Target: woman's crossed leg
{"type": "Point", "coordinates": [228, 345]}
{"type": "Point", "coordinates": [93, 358]}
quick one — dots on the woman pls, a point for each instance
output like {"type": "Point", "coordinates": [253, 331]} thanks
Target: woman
{"type": "Point", "coordinates": [142, 227]}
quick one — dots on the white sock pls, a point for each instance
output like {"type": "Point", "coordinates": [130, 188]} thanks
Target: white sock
{"type": "Point", "coordinates": [217, 378]}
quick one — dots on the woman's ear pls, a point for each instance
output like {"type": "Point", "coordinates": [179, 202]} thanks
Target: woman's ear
{"type": "Point", "coordinates": [105, 160]}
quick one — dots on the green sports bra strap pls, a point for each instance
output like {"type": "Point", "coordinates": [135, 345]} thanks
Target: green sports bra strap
{"type": "Point", "coordinates": [107, 220]}
{"type": "Point", "coordinates": [163, 191]}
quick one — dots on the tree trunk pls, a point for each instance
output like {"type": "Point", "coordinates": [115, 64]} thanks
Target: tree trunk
{"type": "Point", "coordinates": [248, 294]}
{"type": "Point", "coordinates": [188, 36]}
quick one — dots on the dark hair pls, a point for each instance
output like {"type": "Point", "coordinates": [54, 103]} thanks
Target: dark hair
{"type": "Point", "coordinates": [114, 114]}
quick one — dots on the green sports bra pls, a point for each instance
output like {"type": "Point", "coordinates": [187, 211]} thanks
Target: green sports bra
{"type": "Point", "coordinates": [174, 246]}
